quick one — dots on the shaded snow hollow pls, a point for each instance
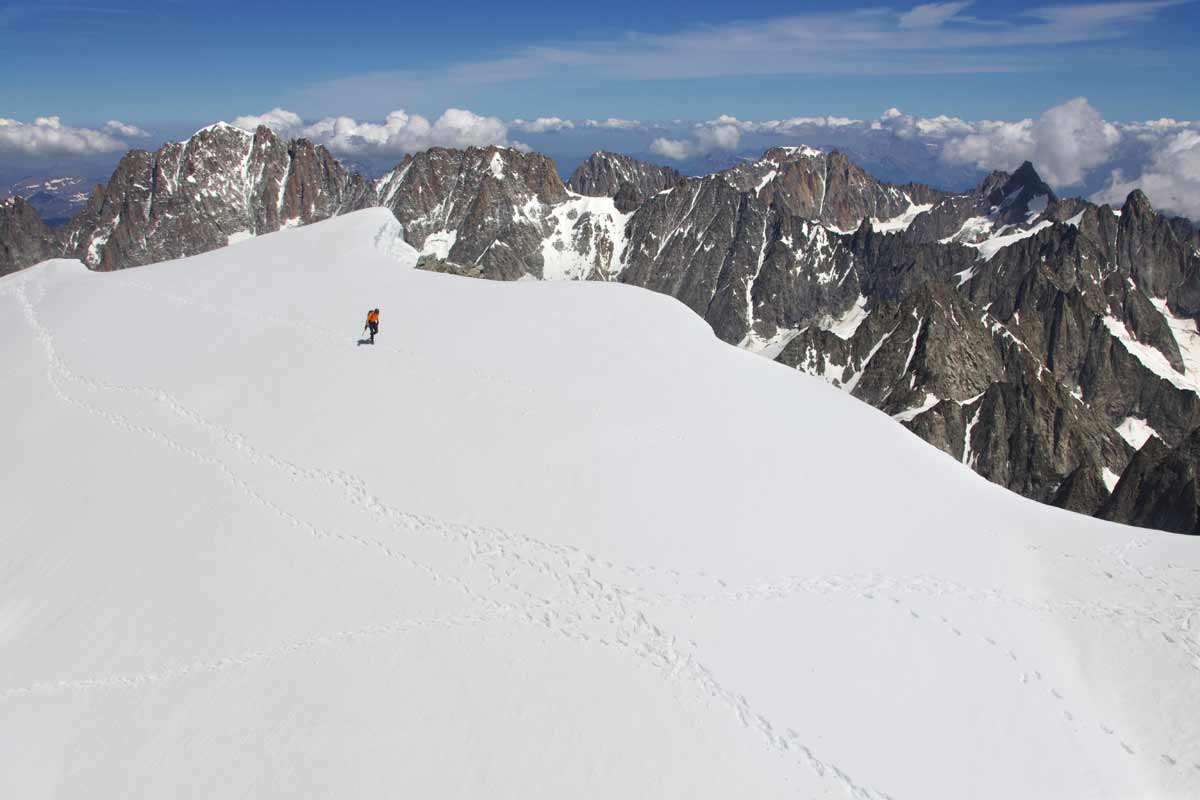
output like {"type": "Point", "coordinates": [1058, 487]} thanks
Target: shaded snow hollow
{"type": "Point", "coordinates": [543, 540]}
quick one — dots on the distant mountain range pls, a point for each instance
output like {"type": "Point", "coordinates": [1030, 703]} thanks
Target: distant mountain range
{"type": "Point", "coordinates": [1048, 343]}
{"type": "Point", "coordinates": [56, 199]}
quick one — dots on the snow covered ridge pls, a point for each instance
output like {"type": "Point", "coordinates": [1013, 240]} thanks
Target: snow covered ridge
{"type": "Point", "coordinates": [277, 543]}
{"type": "Point", "coordinates": [768, 253]}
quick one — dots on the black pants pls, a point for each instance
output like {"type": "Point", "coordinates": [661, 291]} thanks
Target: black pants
{"type": "Point", "coordinates": [374, 328]}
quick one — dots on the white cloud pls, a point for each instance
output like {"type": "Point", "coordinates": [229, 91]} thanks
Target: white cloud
{"type": "Point", "coordinates": [793, 125]}
{"type": "Point", "coordinates": [725, 133]}
{"type": "Point", "coordinates": [674, 149]}
{"type": "Point", "coordinates": [283, 122]}
{"type": "Point", "coordinates": [722, 133]}
{"type": "Point", "coordinates": [118, 128]}
{"type": "Point", "coordinates": [613, 123]}
{"type": "Point", "coordinates": [400, 132]}
{"type": "Point", "coordinates": [48, 136]}
{"type": "Point", "coordinates": [1171, 179]}
{"type": "Point", "coordinates": [1096, 14]}
{"type": "Point", "coordinates": [1064, 143]}
{"type": "Point", "coordinates": [907, 126]}
{"type": "Point", "coordinates": [930, 15]}
{"type": "Point", "coordinates": [543, 125]}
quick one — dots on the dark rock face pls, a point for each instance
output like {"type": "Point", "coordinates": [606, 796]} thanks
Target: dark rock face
{"type": "Point", "coordinates": [959, 379]}
{"type": "Point", "coordinates": [755, 250]}
{"type": "Point", "coordinates": [824, 187]}
{"type": "Point", "coordinates": [1158, 488]}
{"type": "Point", "coordinates": [505, 211]}
{"type": "Point", "coordinates": [1002, 200]}
{"type": "Point", "coordinates": [1022, 360]}
{"type": "Point", "coordinates": [431, 263]}
{"type": "Point", "coordinates": [24, 238]}
{"type": "Point", "coordinates": [628, 181]}
{"type": "Point", "coordinates": [483, 206]}
{"type": "Point", "coordinates": [1083, 491]}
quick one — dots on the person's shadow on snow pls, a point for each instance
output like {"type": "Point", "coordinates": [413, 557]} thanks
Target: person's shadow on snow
{"type": "Point", "coordinates": [365, 341]}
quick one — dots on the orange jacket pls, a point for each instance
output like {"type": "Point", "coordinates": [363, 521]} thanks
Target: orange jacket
{"type": "Point", "coordinates": [372, 316]}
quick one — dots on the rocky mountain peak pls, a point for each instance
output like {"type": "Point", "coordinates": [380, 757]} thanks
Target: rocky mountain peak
{"type": "Point", "coordinates": [825, 187]}
{"type": "Point", "coordinates": [222, 129]}
{"type": "Point", "coordinates": [627, 180]}
{"type": "Point", "coordinates": [1026, 176]}
{"type": "Point", "coordinates": [784, 154]}
{"type": "Point", "coordinates": [1022, 194]}
{"type": "Point", "coordinates": [1137, 204]}
{"type": "Point", "coordinates": [191, 196]}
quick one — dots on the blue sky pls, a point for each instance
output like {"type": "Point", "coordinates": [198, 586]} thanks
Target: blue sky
{"type": "Point", "coordinates": [1101, 96]}
{"type": "Point", "coordinates": [163, 64]}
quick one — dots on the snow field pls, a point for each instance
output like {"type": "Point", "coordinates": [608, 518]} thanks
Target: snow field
{"type": "Point", "coordinates": [542, 540]}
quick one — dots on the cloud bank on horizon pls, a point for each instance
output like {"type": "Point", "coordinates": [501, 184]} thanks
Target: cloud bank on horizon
{"type": "Point", "coordinates": [1072, 146]}
{"type": "Point", "coordinates": [399, 133]}
{"type": "Point", "coordinates": [1067, 143]}
{"type": "Point", "coordinates": [48, 136]}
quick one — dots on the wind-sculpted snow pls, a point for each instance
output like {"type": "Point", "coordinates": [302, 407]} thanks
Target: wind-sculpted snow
{"type": "Point", "coordinates": [516, 549]}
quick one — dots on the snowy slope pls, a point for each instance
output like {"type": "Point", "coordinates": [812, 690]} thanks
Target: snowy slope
{"type": "Point", "coordinates": [543, 540]}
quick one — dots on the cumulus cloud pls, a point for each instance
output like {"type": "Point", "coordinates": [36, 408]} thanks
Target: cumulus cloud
{"type": "Point", "coordinates": [118, 128]}
{"type": "Point", "coordinates": [400, 132]}
{"type": "Point", "coordinates": [1171, 179]}
{"type": "Point", "coordinates": [725, 132]}
{"type": "Point", "coordinates": [406, 133]}
{"type": "Point", "coordinates": [283, 122]}
{"type": "Point", "coordinates": [674, 149]}
{"type": "Point", "coordinates": [1067, 144]}
{"type": "Point", "coordinates": [800, 125]}
{"type": "Point", "coordinates": [1064, 143]}
{"type": "Point", "coordinates": [907, 126]}
{"type": "Point", "coordinates": [48, 136]}
{"type": "Point", "coordinates": [543, 125]}
{"type": "Point", "coordinates": [722, 133]}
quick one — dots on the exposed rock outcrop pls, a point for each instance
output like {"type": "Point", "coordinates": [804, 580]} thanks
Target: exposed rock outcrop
{"type": "Point", "coordinates": [190, 197]}
{"type": "Point", "coordinates": [628, 181]}
{"type": "Point", "coordinates": [24, 238]}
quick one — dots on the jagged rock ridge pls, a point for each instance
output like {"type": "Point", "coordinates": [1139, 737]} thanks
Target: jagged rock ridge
{"type": "Point", "coordinates": [628, 181]}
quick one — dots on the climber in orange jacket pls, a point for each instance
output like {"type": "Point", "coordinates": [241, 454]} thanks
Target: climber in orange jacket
{"type": "Point", "coordinates": [372, 323]}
